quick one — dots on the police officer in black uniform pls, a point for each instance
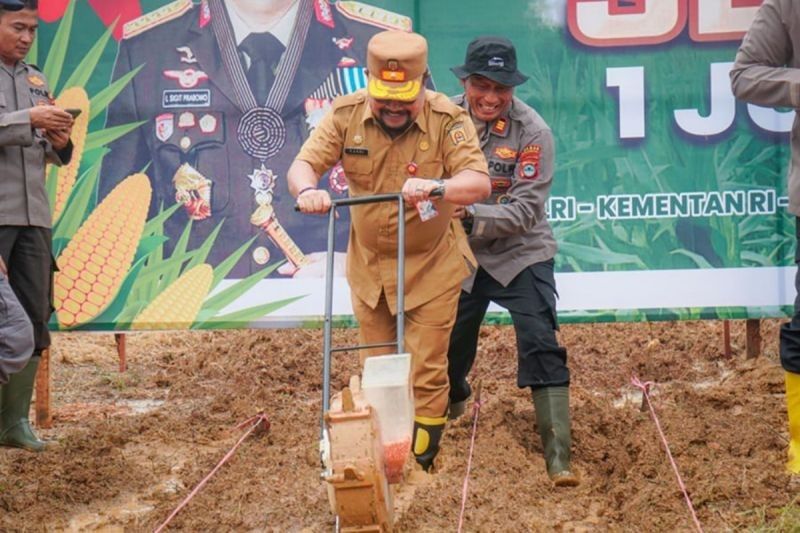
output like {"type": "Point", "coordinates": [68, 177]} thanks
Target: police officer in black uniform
{"type": "Point", "coordinates": [222, 122]}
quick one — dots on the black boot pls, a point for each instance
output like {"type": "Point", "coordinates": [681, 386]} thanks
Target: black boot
{"type": "Point", "coordinates": [552, 417]}
{"type": "Point", "coordinates": [15, 403]}
{"type": "Point", "coordinates": [427, 434]}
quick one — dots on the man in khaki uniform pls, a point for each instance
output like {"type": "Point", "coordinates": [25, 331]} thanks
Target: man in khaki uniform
{"type": "Point", "coordinates": [393, 136]}
{"type": "Point", "coordinates": [33, 132]}
{"type": "Point", "coordinates": [767, 73]}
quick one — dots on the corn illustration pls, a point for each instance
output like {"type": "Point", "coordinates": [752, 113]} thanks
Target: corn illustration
{"type": "Point", "coordinates": [72, 98]}
{"type": "Point", "coordinates": [96, 260]}
{"type": "Point", "coordinates": [793, 409]}
{"type": "Point", "coordinates": [177, 306]}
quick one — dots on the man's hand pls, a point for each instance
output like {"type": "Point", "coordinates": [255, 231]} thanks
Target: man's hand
{"type": "Point", "coordinates": [460, 212]}
{"type": "Point", "coordinates": [316, 267]}
{"type": "Point", "coordinates": [3, 269]}
{"type": "Point", "coordinates": [50, 117]}
{"type": "Point", "coordinates": [416, 190]}
{"type": "Point", "coordinates": [314, 201]}
{"type": "Point", "coordinates": [58, 138]}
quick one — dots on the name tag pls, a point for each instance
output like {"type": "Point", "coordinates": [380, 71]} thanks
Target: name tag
{"type": "Point", "coordinates": [192, 98]}
{"type": "Point", "coordinates": [356, 151]}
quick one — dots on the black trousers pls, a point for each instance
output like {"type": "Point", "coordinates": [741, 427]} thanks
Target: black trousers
{"type": "Point", "coordinates": [530, 298]}
{"type": "Point", "coordinates": [27, 251]}
{"type": "Point", "coordinates": [790, 331]}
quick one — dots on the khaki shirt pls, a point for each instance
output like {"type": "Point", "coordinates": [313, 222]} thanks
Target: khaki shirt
{"type": "Point", "coordinates": [510, 230]}
{"type": "Point", "coordinates": [23, 150]}
{"type": "Point", "coordinates": [760, 75]}
{"type": "Point", "coordinates": [441, 142]}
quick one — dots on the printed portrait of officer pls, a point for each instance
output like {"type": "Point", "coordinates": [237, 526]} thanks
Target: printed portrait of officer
{"type": "Point", "coordinates": [228, 91]}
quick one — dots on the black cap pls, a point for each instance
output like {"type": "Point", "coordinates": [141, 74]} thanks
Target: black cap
{"type": "Point", "coordinates": [494, 58]}
{"type": "Point", "coordinates": [12, 5]}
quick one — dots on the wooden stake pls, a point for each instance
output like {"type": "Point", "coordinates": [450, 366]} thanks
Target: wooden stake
{"type": "Point", "coordinates": [44, 419]}
{"type": "Point", "coordinates": [753, 339]}
{"type": "Point", "coordinates": [726, 338]}
{"type": "Point", "coordinates": [120, 339]}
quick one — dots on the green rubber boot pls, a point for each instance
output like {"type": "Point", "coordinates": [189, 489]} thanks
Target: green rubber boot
{"type": "Point", "coordinates": [552, 417]}
{"type": "Point", "coordinates": [15, 403]}
{"type": "Point", "coordinates": [427, 435]}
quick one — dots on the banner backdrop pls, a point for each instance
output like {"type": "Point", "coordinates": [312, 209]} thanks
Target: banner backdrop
{"type": "Point", "coordinates": [668, 200]}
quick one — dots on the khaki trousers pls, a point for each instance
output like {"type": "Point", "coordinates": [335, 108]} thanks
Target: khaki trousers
{"type": "Point", "coordinates": [427, 336]}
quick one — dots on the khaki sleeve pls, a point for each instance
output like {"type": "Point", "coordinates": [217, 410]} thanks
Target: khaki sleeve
{"type": "Point", "coordinates": [460, 147]}
{"type": "Point", "coordinates": [324, 147]}
{"type": "Point", "coordinates": [760, 74]}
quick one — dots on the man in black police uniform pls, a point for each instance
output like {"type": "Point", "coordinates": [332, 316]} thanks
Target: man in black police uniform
{"type": "Point", "coordinates": [229, 91]}
{"type": "Point", "coordinates": [34, 132]}
{"type": "Point", "coordinates": [514, 245]}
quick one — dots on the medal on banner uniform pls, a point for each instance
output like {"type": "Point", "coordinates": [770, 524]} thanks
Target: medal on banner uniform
{"type": "Point", "coordinates": [193, 190]}
{"type": "Point", "coordinates": [261, 131]}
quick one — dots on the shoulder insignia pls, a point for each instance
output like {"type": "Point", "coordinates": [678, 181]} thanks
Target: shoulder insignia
{"type": "Point", "coordinates": [322, 9]}
{"type": "Point", "coordinates": [500, 127]}
{"type": "Point", "coordinates": [349, 99]}
{"type": "Point", "coordinates": [442, 104]}
{"type": "Point", "coordinates": [163, 14]}
{"type": "Point", "coordinates": [374, 16]}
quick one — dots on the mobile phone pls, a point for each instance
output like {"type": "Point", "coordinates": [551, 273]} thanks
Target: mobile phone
{"type": "Point", "coordinates": [74, 112]}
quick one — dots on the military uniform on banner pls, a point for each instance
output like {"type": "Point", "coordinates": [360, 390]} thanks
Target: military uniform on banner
{"type": "Point", "coordinates": [208, 143]}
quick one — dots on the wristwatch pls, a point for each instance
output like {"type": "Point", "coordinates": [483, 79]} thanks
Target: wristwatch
{"type": "Point", "coordinates": [439, 190]}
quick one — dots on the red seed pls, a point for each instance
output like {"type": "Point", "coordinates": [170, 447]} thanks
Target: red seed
{"type": "Point", "coordinates": [394, 458]}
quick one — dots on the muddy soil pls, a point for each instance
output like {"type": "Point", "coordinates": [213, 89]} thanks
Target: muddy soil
{"type": "Point", "coordinates": [130, 446]}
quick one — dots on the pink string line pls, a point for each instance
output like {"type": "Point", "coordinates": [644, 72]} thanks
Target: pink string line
{"type": "Point", "coordinates": [258, 420]}
{"type": "Point", "coordinates": [476, 409]}
{"type": "Point", "coordinates": [645, 388]}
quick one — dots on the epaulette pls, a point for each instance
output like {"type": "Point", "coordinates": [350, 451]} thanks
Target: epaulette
{"type": "Point", "coordinates": [351, 99]}
{"type": "Point", "coordinates": [442, 104]}
{"type": "Point", "coordinates": [34, 67]}
{"type": "Point", "coordinates": [374, 16]}
{"type": "Point", "coordinates": [161, 15]}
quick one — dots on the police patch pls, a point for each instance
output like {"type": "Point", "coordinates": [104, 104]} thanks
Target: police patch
{"type": "Point", "coordinates": [500, 184]}
{"type": "Point", "coordinates": [529, 161]}
{"type": "Point", "coordinates": [505, 152]}
{"type": "Point", "coordinates": [189, 98]}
